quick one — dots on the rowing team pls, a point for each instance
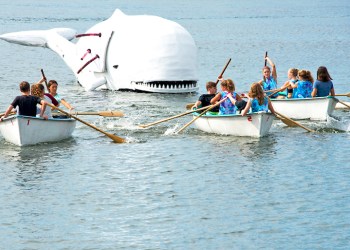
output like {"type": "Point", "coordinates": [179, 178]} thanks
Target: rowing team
{"type": "Point", "coordinates": [300, 84]}
{"type": "Point", "coordinates": [26, 103]}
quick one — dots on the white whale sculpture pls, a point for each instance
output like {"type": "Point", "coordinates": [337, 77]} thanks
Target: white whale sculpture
{"type": "Point", "coordinates": [141, 53]}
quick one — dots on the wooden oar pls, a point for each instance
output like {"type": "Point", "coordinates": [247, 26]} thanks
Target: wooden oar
{"type": "Point", "coordinates": [279, 115]}
{"type": "Point", "coordinates": [347, 95]}
{"type": "Point", "coordinates": [194, 119]}
{"type": "Point", "coordinates": [344, 103]}
{"type": "Point", "coordinates": [111, 113]}
{"type": "Point", "coordinates": [172, 117]}
{"type": "Point", "coordinates": [113, 137]}
{"type": "Point", "coordinates": [47, 87]}
{"type": "Point", "coordinates": [190, 105]}
{"type": "Point", "coordinates": [265, 58]}
{"type": "Point", "coordinates": [11, 113]}
{"type": "Point", "coordinates": [278, 90]}
{"type": "Point", "coordinates": [223, 71]}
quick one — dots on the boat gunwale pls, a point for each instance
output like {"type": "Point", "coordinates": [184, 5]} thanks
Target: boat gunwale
{"type": "Point", "coordinates": [12, 117]}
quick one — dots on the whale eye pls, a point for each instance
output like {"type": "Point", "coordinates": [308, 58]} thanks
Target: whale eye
{"type": "Point", "coordinates": [115, 66]}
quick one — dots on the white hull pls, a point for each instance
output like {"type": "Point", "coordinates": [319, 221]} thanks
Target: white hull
{"type": "Point", "coordinates": [253, 125]}
{"type": "Point", "coordinates": [307, 108]}
{"type": "Point", "coordinates": [25, 130]}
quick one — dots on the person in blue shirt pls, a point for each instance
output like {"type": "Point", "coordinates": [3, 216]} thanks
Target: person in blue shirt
{"type": "Point", "coordinates": [228, 93]}
{"type": "Point", "coordinates": [303, 88]}
{"type": "Point", "coordinates": [257, 101]}
{"type": "Point", "coordinates": [292, 78]}
{"type": "Point", "coordinates": [323, 85]}
{"type": "Point", "coordinates": [269, 81]}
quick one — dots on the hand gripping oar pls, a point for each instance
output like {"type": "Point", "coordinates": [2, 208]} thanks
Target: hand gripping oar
{"type": "Point", "coordinates": [172, 117]}
{"type": "Point", "coordinates": [113, 137]}
{"type": "Point", "coordinates": [223, 71]}
{"type": "Point", "coordinates": [288, 120]}
{"type": "Point", "coordinates": [194, 119]}
{"type": "Point", "coordinates": [278, 90]}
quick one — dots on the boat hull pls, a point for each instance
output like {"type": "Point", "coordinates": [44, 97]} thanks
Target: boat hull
{"type": "Point", "coordinates": [307, 108]}
{"type": "Point", "coordinates": [25, 130]}
{"type": "Point", "coordinates": [252, 125]}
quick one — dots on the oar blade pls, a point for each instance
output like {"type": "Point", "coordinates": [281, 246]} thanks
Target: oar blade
{"type": "Point", "coordinates": [116, 138]}
{"type": "Point", "coordinates": [189, 106]}
{"type": "Point", "coordinates": [287, 122]}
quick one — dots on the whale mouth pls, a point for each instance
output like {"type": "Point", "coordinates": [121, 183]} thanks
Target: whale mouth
{"type": "Point", "coordinates": [166, 86]}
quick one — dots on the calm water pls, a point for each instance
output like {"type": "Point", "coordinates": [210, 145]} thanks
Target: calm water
{"type": "Point", "coordinates": [289, 190]}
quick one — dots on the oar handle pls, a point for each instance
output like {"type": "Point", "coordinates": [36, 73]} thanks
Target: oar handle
{"type": "Point", "coordinates": [265, 58]}
{"type": "Point", "coordinates": [223, 71]}
{"type": "Point", "coordinates": [42, 73]}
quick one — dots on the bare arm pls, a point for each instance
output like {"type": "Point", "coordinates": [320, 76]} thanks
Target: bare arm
{"type": "Point", "coordinates": [273, 66]}
{"type": "Point", "coordinates": [42, 110]}
{"type": "Point", "coordinates": [271, 107]}
{"type": "Point", "coordinates": [247, 107]}
{"type": "Point", "coordinates": [332, 92]}
{"type": "Point", "coordinates": [215, 98]}
{"type": "Point", "coordinates": [197, 104]}
{"type": "Point", "coordinates": [41, 80]}
{"type": "Point", "coordinates": [66, 104]}
{"type": "Point", "coordinates": [7, 112]}
{"type": "Point", "coordinates": [314, 92]}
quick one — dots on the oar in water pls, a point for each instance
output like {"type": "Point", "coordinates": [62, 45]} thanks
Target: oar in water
{"type": "Point", "coordinates": [347, 95]}
{"type": "Point", "coordinates": [190, 105]}
{"type": "Point", "coordinates": [111, 113]}
{"type": "Point", "coordinates": [172, 117]}
{"type": "Point", "coordinates": [344, 103]}
{"type": "Point", "coordinates": [113, 137]}
{"type": "Point", "coordinates": [194, 119]}
{"type": "Point", "coordinates": [288, 121]}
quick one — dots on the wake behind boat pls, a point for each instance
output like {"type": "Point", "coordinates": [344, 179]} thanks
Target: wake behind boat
{"type": "Point", "coordinates": [306, 108]}
{"type": "Point", "coordinates": [27, 130]}
{"type": "Point", "coordinates": [253, 124]}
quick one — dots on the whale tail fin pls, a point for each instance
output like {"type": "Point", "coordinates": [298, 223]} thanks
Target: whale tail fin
{"type": "Point", "coordinates": [57, 39]}
{"type": "Point", "coordinates": [37, 38]}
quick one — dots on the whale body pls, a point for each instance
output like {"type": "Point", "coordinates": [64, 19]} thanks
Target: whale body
{"type": "Point", "coordinates": [140, 52]}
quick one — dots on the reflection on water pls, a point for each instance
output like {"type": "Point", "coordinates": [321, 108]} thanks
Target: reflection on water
{"type": "Point", "coordinates": [28, 164]}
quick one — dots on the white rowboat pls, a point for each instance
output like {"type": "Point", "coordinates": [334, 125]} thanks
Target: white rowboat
{"type": "Point", "coordinates": [253, 124]}
{"type": "Point", "coordinates": [306, 108]}
{"type": "Point", "coordinates": [27, 130]}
